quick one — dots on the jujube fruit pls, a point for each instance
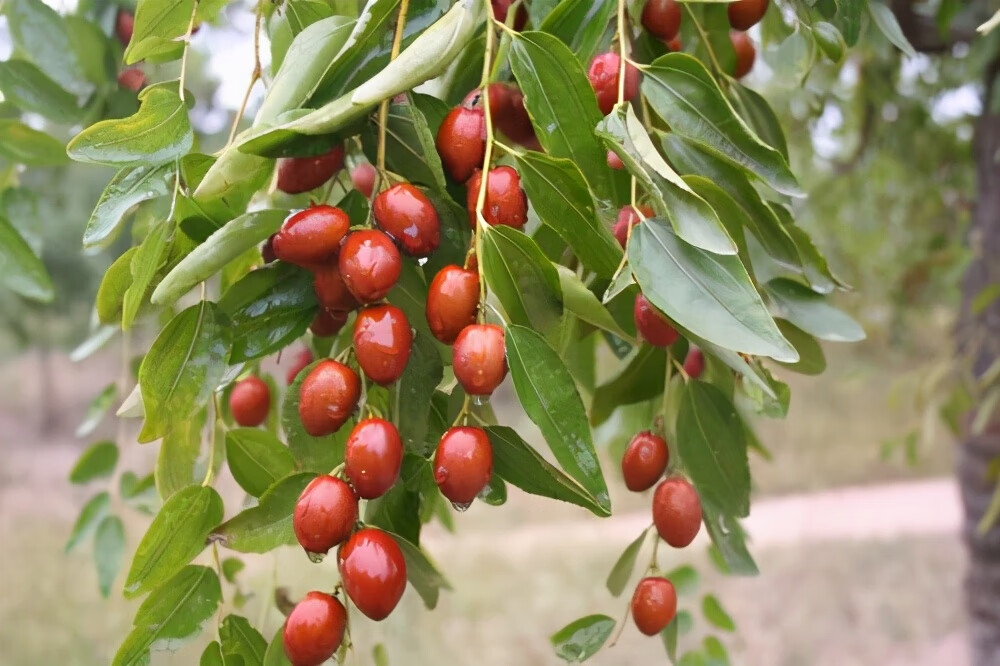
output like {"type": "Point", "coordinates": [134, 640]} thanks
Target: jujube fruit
{"type": "Point", "coordinates": [502, 7]}
{"type": "Point", "coordinates": [369, 264]}
{"type": "Point", "coordinates": [652, 325]}
{"type": "Point", "coordinates": [675, 45]}
{"type": "Point", "coordinates": [479, 358]}
{"type": "Point", "coordinates": [327, 397]}
{"type": "Point", "coordinates": [250, 401]}
{"type": "Point", "coordinates": [463, 463]}
{"type": "Point", "coordinates": [452, 302]}
{"type": "Point", "coordinates": [373, 572]}
{"type": "Point", "coordinates": [614, 161]}
{"type": "Point", "coordinates": [303, 358]}
{"type": "Point", "coordinates": [124, 26]}
{"type": "Point", "coordinates": [506, 111]}
{"type": "Point", "coordinates": [331, 290]}
{"type": "Point", "coordinates": [325, 514]}
{"type": "Point", "coordinates": [314, 629]}
{"type": "Point", "coordinates": [373, 457]}
{"type": "Point", "coordinates": [363, 178]}
{"type": "Point", "coordinates": [628, 216]}
{"type": "Point", "coordinates": [676, 511]}
{"type": "Point", "coordinates": [327, 323]}
{"type": "Point", "coordinates": [406, 214]}
{"type": "Point", "coordinates": [744, 14]}
{"type": "Point", "coordinates": [505, 201]}
{"type": "Point", "coordinates": [746, 53]}
{"type": "Point", "coordinates": [461, 141]}
{"type": "Point", "coordinates": [302, 174]}
{"type": "Point", "coordinates": [382, 342]}
{"type": "Point", "coordinates": [603, 75]}
{"type": "Point", "coordinates": [311, 235]}
{"type": "Point", "coordinates": [694, 363]}
{"type": "Point", "coordinates": [654, 605]}
{"type": "Point", "coordinates": [132, 78]}
{"type": "Point", "coordinates": [267, 250]}
{"type": "Point", "coordinates": [662, 18]}
{"type": "Point", "coordinates": [644, 461]}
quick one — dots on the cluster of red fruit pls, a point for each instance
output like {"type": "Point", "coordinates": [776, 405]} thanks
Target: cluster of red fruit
{"type": "Point", "coordinates": [132, 78]}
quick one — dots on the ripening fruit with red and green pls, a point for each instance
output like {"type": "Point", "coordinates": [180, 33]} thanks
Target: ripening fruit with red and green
{"type": "Point", "coordinates": [628, 217]}
{"type": "Point", "coordinates": [302, 174]}
{"type": "Point", "coordinates": [644, 461]}
{"type": "Point", "coordinates": [614, 161]}
{"type": "Point", "coordinates": [505, 201]}
{"type": "Point", "coordinates": [452, 302]}
{"type": "Point", "coordinates": [694, 363]}
{"type": "Point", "coordinates": [461, 140]}
{"type": "Point", "coordinates": [303, 358]}
{"type": "Point", "coordinates": [652, 325]}
{"type": "Point", "coordinates": [406, 214]}
{"type": "Point", "coordinates": [463, 463]}
{"type": "Point", "coordinates": [662, 18]}
{"type": "Point", "coordinates": [654, 604]}
{"type": "Point", "coordinates": [373, 572]}
{"type": "Point", "coordinates": [373, 457]}
{"type": "Point", "coordinates": [479, 358]}
{"type": "Point", "coordinates": [502, 7]}
{"type": "Point", "coordinates": [314, 629]}
{"type": "Point", "coordinates": [363, 178]}
{"type": "Point", "coordinates": [746, 53]}
{"type": "Point", "coordinates": [327, 397]}
{"type": "Point", "coordinates": [250, 401]}
{"type": "Point", "coordinates": [745, 14]}
{"type": "Point", "coordinates": [603, 74]}
{"type": "Point", "coordinates": [331, 290]}
{"type": "Point", "coordinates": [676, 511]}
{"type": "Point", "coordinates": [325, 514]}
{"type": "Point", "coordinates": [311, 236]}
{"type": "Point", "coordinates": [382, 342]}
{"type": "Point", "coordinates": [327, 324]}
{"type": "Point", "coordinates": [369, 264]}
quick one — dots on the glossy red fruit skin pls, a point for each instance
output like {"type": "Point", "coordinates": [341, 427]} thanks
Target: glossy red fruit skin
{"type": "Point", "coordinates": [479, 358]}
{"type": "Point", "coordinates": [746, 53]}
{"type": "Point", "coordinates": [406, 214]}
{"type": "Point", "coordinates": [644, 461]}
{"type": "Point", "coordinates": [694, 363]}
{"type": "Point", "coordinates": [505, 201]}
{"type": "Point", "coordinates": [676, 511]}
{"type": "Point", "coordinates": [373, 572]}
{"type": "Point", "coordinates": [502, 7]}
{"type": "Point", "coordinates": [373, 457]}
{"type": "Point", "coordinates": [303, 358]}
{"type": "Point", "coordinates": [463, 463]}
{"type": "Point", "coordinates": [369, 264]}
{"type": "Point", "coordinates": [363, 177]}
{"type": "Point", "coordinates": [662, 18]}
{"type": "Point", "coordinates": [325, 514]}
{"type": "Point", "coordinates": [326, 323]}
{"type": "Point", "coordinates": [654, 605]}
{"type": "Point", "coordinates": [452, 302]}
{"type": "Point", "coordinates": [132, 78]}
{"type": "Point", "coordinates": [461, 141]}
{"type": "Point", "coordinates": [267, 250]}
{"type": "Point", "coordinates": [311, 236]}
{"type": "Point", "coordinates": [331, 290]}
{"type": "Point", "coordinates": [250, 401]}
{"type": "Point", "coordinates": [745, 14]}
{"type": "Point", "coordinates": [614, 161]}
{"type": "Point", "coordinates": [302, 174]}
{"type": "Point", "coordinates": [627, 217]}
{"type": "Point", "coordinates": [506, 111]}
{"type": "Point", "coordinates": [382, 342]}
{"type": "Point", "coordinates": [124, 26]}
{"type": "Point", "coordinates": [314, 629]}
{"type": "Point", "coordinates": [327, 397]}
{"type": "Point", "coordinates": [652, 325]}
{"type": "Point", "coordinates": [603, 75]}
{"type": "Point", "coordinates": [675, 45]}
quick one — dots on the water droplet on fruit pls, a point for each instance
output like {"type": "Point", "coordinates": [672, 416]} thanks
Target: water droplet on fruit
{"type": "Point", "coordinates": [316, 558]}
{"type": "Point", "coordinates": [440, 475]}
{"type": "Point", "coordinates": [461, 507]}
{"type": "Point", "coordinates": [478, 400]}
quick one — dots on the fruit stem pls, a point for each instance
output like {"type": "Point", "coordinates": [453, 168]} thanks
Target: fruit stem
{"type": "Point", "coordinates": [254, 75]}
{"type": "Point", "coordinates": [621, 51]}
{"type": "Point", "coordinates": [383, 109]}
{"type": "Point", "coordinates": [487, 157]}
{"type": "Point", "coordinates": [654, 566]}
{"type": "Point", "coordinates": [704, 40]}
{"type": "Point", "coordinates": [667, 376]}
{"type": "Point", "coordinates": [187, 47]}
{"type": "Point", "coordinates": [217, 416]}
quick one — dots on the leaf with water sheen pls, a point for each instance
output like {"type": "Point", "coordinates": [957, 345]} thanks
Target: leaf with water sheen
{"type": "Point", "coordinates": [257, 459]}
{"type": "Point", "coordinates": [268, 525]}
{"type": "Point", "coordinates": [581, 639]}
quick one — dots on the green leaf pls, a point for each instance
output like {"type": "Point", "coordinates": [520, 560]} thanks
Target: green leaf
{"type": "Point", "coordinates": [275, 655]}
{"type": "Point", "coordinates": [620, 573]}
{"type": "Point", "coordinates": [713, 611]}
{"type": "Point", "coordinates": [523, 279]}
{"type": "Point", "coordinates": [398, 510]}
{"type": "Point", "coordinates": [559, 195]}
{"type": "Point", "coordinates": [93, 512]}
{"type": "Point", "coordinates": [409, 141]}
{"type": "Point", "coordinates": [239, 638]}
{"type": "Point", "coordinates": [581, 639]}
{"type": "Point", "coordinates": [639, 381]}
{"type": "Point", "coordinates": [758, 113]}
{"type": "Point", "coordinates": [30, 89]}
{"type": "Point", "coordinates": [212, 655]}
{"type": "Point", "coordinates": [257, 459]}
{"type": "Point", "coordinates": [380, 655]}
{"type": "Point", "coordinates": [685, 95]}
{"type": "Point", "coordinates": [158, 133]}
{"type": "Point", "coordinates": [229, 242]}
{"type": "Point", "coordinates": [268, 525]}
{"type": "Point", "coordinates": [143, 267]}
{"type": "Point", "coordinates": [173, 614]}
{"type": "Point", "coordinates": [177, 463]}
{"type": "Point", "coordinates": [127, 188]}
{"type": "Point", "coordinates": [97, 462]}
{"type": "Point", "coordinates": [315, 454]}
{"type": "Point", "coordinates": [580, 24]}
{"type": "Point", "coordinates": [22, 144]}
{"type": "Point", "coordinates": [691, 217]}
{"type": "Point", "coordinates": [96, 411]}
{"type": "Point", "coordinates": [231, 566]}
{"type": "Point", "coordinates": [550, 398]}
{"type": "Point", "coordinates": [792, 59]}
{"type": "Point", "coordinates": [716, 651]}
{"type": "Point", "coordinates": [848, 19]}
{"type": "Point", "coordinates": [710, 442]}
{"type": "Point", "coordinates": [175, 537]}
{"type": "Point", "coordinates": [886, 21]}
{"type": "Point", "coordinates": [183, 367]}
{"type": "Point", "coordinates": [109, 549]}
{"type": "Point", "coordinates": [285, 26]}
{"type": "Point", "coordinates": [269, 308]}
{"type": "Point", "coordinates": [159, 27]}
{"type": "Point", "coordinates": [669, 638]}
{"type": "Point", "coordinates": [811, 361]}
{"type": "Point", "coordinates": [709, 294]}
{"type": "Point", "coordinates": [140, 494]}
{"type": "Point", "coordinates": [43, 37]}
{"type": "Point", "coordinates": [422, 375]}
{"type": "Point", "coordinates": [114, 284]}
{"type": "Point", "coordinates": [728, 536]}
{"type": "Point", "coordinates": [582, 303]}
{"type": "Point", "coordinates": [563, 108]}
{"type": "Point", "coordinates": [519, 464]}
{"type": "Point", "coordinates": [829, 40]}
{"type": "Point", "coordinates": [422, 573]}
{"type": "Point", "coordinates": [812, 313]}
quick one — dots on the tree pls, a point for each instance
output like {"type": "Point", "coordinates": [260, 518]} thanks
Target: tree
{"type": "Point", "coordinates": [647, 225]}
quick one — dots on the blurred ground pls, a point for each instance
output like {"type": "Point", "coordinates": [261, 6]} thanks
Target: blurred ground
{"type": "Point", "coordinates": [864, 576]}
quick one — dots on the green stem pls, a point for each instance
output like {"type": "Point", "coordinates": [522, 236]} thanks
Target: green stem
{"type": "Point", "coordinates": [187, 48]}
{"type": "Point", "coordinates": [704, 39]}
{"type": "Point", "coordinates": [484, 174]}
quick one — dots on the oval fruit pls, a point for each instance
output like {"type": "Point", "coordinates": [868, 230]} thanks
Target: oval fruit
{"type": "Point", "coordinates": [644, 461]}
{"type": "Point", "coordinates": [505, 201]}
{"type": "Point", "coordinates": [363, 178]}
{"type": "Point", "coordinates": [654, 605]}
{"type": "Point", "coordinates": [382, 342]}
{"type": "Point", "coordinates": [652, 325]}
{"type": "Point", "coordinates": [746, 53]}
{"type": "Point", "coordinates": [373, 572]}
{"type": "Point", "coordinates": [628, 217]}
{"type": "Point", "coordinates": [369, 264]}
{"type": "Point", "coordinates": [373, 457]}
{"type": "Point", "coordinates": [311, 236]}
{"type": "Point", "coordinates": [676, 511]}
{"type": "Point", "coordinates": [461, 141]}
{"type": "Point", "coordinates": [452, 302]}
{"type": "Point", "coordinates": [325, 514]}
{"type": "Point", "coordinates": [463, 463]}
{"type": "Point", "coordinates": [603, 75]}
{"type": "Point", "coordinates": [249, 401]}
{"type": "Point", "coordinates": [406, 214]}
{"type": "Point", "coordinates": [327, 397]}
{"type": "Point", "coordinates": [745, 14]}
{"type": "Point", "coordinates": [479, 358]}
{"type": "Point", "coordinates": [302, 174]}
{"type": "Point", "coordinates": [662, 18]}
{"type": "Point", "coordinates": [314, 629]}
{"type": "Point", "coordinates": [694, 363]}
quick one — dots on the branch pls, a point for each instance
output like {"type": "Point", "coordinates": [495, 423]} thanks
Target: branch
{"type": "Point", "coordinates": [922, 30]}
